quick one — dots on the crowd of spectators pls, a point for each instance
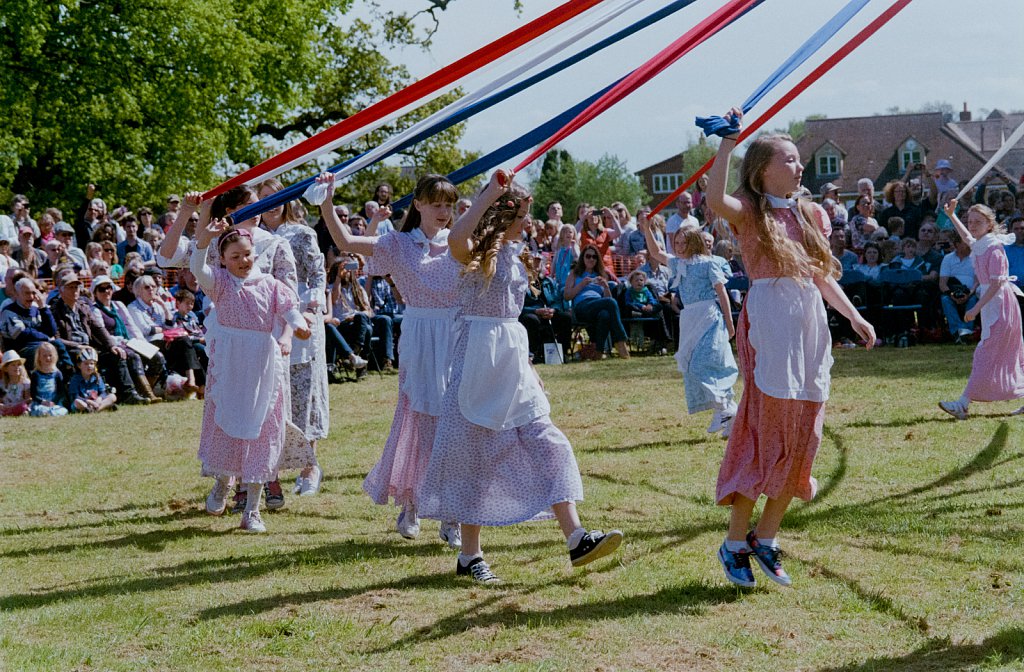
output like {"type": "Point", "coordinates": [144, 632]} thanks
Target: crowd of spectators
{"type": "Point", "coordinates": [90, 293]}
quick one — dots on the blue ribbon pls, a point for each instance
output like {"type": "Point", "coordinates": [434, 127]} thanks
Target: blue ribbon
{"type": "Point", "coordinates": [724, 127]}
{"type": "Point", "coordinates": [517, 146]}
{"type": "Point", "coordinates": [293, 191]}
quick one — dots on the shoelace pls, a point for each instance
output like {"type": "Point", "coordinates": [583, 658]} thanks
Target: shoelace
{"type": "Point", "coordinates": [740, 558]}
{"type": "Point", "coordinates": [772, 556]}
{"type": "Point", "coordinates": [481, 571]}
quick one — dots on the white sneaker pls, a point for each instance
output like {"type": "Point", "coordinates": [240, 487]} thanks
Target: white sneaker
{"type": "Point", "coordinates": [727, 426]}
{"type": "Point", "coordinates": [451, 534]}
{"type": "Point", "coordinates": [311, 485]}
{"type": "Point", "coordinates": [298, 484]}
{"type": "Point", "coordinates": [954, 408]}
{"type": "Point", "coordinates": [1019, 411]}
{"type": "Point", "coordinates": [716, 422]}
{"type": "Point", "coordinates": [358, 362]}
{"type": "Point", "coordinates": [252, 522]}
{"type": "Point", "coordinates": [408, 525]}
{"type": "Point", "coordinates": [217, 500]}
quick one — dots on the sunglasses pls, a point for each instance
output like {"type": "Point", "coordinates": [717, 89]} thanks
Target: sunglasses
{"type": "Point", "coordinates": [104, 288]}
{"type": "Point", "coordinates": [590, 256]}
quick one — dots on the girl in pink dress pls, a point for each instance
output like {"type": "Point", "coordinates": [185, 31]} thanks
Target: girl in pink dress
{"type": "Point", "coordinates": [424, 273]}
{"type": "Point", "coordinates": [245, 408]}
{"type": "Point", "coordinates": [783, 343]}
{"type": "Point", "coordinates": [997, 372]}
{"type": "Point", "coordinates": [497, 458]}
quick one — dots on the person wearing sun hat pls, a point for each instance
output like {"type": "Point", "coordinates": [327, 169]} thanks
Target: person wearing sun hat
{"type": "Point", "coordinates": [15, 395]}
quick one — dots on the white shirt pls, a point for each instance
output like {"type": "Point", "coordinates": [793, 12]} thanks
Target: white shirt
{"type": "Point", "coordinates": [954, 267]}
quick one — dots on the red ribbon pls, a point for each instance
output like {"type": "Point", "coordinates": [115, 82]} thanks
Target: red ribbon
{"type": "Point", "coordinates": [415, 91]}
{"type": "Point", "coordinates": [663, 59]}
{"type": "Point", "coordinates": [802, 86]}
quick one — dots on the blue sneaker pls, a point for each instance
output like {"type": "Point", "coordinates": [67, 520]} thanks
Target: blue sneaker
{"type": "Point", "coordinates": [770, 561]}
{"type": "Point", "coordinates": [737, 567]}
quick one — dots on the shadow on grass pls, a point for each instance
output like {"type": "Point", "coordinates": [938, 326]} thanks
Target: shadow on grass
{"type": "Point", "coordinates": [940, 653]}
{"type": "Point", "coordinates": [216, 570]}
{"type": "Point", "coordinates": [838, 474]}
{"type": "Point", "coordinates": [688, 598]}
{"type": "Point", "coordinates": [106, 522]}
{"type": "Point", "coordinates": [646, 484]}
{"type": "Point", "coordinates": [637, 447]}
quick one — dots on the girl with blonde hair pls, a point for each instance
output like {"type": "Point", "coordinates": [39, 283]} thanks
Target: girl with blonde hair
{"type": "Point", "coordinates": [783, 344]}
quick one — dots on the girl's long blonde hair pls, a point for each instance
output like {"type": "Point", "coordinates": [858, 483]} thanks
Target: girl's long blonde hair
{"type": "Point", "coordinates": [489, 235]}
{"type": "Point", "coordinates": [813, 258]}
{"type": "Point", "coordinates": [989, 214]}
{"type": "Point", "coordinates": [20, 374]}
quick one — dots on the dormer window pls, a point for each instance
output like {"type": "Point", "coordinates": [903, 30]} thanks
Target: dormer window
{"type": "Point", "coordinates": [828, 161]}
{"type": "Point", "coordinates": [910, 153]}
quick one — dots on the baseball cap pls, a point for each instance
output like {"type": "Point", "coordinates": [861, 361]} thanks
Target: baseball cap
{"type": "Point", "coordinates": [174, 198]}
{"type": "Point", "coordinates": [68, 278]}
{"type": "Point", "coordinates": [26, 229]}
{"type": "Point", "coordinates": [63, 227]}
{"type": "Point", "coordinates": [943, 163]}
{"type": "Point", "coordinates": [828, 187]}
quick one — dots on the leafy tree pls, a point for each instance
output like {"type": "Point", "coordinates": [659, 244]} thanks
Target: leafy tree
{"type": "Point", "coordinates": [572, 181]}
{"type": "Point", "coordinates": [146, 97]}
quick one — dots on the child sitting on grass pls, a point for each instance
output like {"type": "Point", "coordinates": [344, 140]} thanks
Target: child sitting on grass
{"type": "Point", "coordinates": [47, 386]}
{"type": "Point", "coordinates": [87, 390]}
{"type": "Point", "coordinates": [14, 385]}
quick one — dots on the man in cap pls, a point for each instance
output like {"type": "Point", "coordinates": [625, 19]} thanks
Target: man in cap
{"type": "Point", "coordinates": [830, 202]}
{"type": "Point", "coordinates": [64, 233]}
{"type": "Point", "coordinates": [173, 205]}
{"type": "Point", "coordinates": [79, 328]}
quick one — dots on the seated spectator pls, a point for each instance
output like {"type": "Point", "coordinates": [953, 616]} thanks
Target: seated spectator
{"type": "Point", "coordinates": [386, 302]}
{"type": "Point", "coordinates": [147, 373]}
{"type": "Point", "coordinates": [186, 280]}
{"type": "Point", "coordinates": [464, 204]}
{"type": "Point", "coordinates": [87, 391]}
{"type": "Point", "coordinates": [66, 235]}
{"type": "Point", "coordinates": [641, 302]}
{"type": "Point", "coordinates": [78, 328]}
{"type": "Point", "coordinates": [126, 294]}
{"type": "Point", "coordinates": [133, 243]}
{"type": "Point", "coordinates": [93, 252]}
{"type": "Point", "coordinates": [6, 260]}
{"type": "Point", "coordinates": [47, 383]}
{"type": "Point", "coordinates": [338, 349]}
{"type": "Point", "coordinates": [865, 188]}
{"type": "Point", "coordinates": [153, 317]}
{"type": "Point", "coordinates": [895, 229]}
{"type": "Point", "coordinates": [109, 255]}
{"type": "Point", "coordinates": [957, 284]}
{"type": "Point", "coordinates": [589, 288]}
{"type": "Point", "coordinates": [682, 218]}
{"type": "Point", "coordinates": [545, 317]}
{"type": "Point", "coordinates": [359, 324]}
{"type": "Point", "coordinates": [28, 258]}
{"type": "Point", "coordinates": [11, 277]}
{"type": "Point", "coordinates": [46, 224]}
{"type": "Point", "coordinates": [15, 392]}
{"type": "Point", "coordinates": [658, 280]}
{"type": "Point", "coordinates": [898, 195]}
{"type": "Point", "coordinates": [601, 229]}
{"type": "Point", "coordinates": [565, 254]}
{"type": "Point", "coordinates": [837, 241]}
{"type": "Point", "coordinates": [862, 224]}
{"type": "Point", "coordinates": [872, 264]}
{"type": "Point", "coordinates": [154, 237]}
{"type": "Point", "coordinates": [186, 319]}
{"type": "Point", "coordinates": [26, 323]}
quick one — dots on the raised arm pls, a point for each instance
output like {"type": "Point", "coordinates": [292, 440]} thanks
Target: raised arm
{"type": "Point", "coordinates": [168, 250]}
{"type": "Point", "coordinates": [340, 233]}
{"type": "Point", "coordinates": [950, 209]}
{"type": "Point", "coordinates": [722, 203]}
{"type": "Point", "coordinates": [197, 264]}
{"type": "Point", "coordinates": [611, 223]}
{"type": "Point", "coordinates": [382, 213]}
{"type": "Point", "coordinates": [460, 240]}
{"type": "Point", "coordinates": [654, 250]}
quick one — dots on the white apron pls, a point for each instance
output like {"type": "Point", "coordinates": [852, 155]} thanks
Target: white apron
{"type": "Point", "coordinates": [244, 396]}
{"type": "Point", "coordinates": [694, 321]}
{"type": "Point", "coordinates": [789, 333]}
{"type": "Point", "coordinates": [499, 389]}
{"type": "Point", "coordinates": [427, 342]}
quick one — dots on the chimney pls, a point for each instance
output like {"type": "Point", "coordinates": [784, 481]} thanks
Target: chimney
{"type": "Point", "coordinates": [965, 115]}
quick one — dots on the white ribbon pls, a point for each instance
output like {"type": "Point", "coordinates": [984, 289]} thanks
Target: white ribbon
{"type": "Point", "coordinates": [584, 23]}
{"type": "Point", "coordinates": [1008, 144]}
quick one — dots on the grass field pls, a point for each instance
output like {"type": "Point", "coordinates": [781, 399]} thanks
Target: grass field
{"type": "Point", "coordinates": [909, 559]}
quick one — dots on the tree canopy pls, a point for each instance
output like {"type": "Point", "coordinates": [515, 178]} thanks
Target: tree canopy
{"type": "Point", "coordinates": [571, 181]}
{"type": "Point", "coordinates": [149, 97]}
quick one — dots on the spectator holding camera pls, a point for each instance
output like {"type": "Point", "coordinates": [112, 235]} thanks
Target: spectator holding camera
{"type": "Point", "coordinates": [589, 288]}
{"type": "Point", "coordinates": [957, 285]}
{"type": "Point", "coordinates": [600, 229]}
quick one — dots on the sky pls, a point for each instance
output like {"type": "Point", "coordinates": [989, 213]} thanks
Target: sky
{"type": "Point", "coordinates": [934, 50]}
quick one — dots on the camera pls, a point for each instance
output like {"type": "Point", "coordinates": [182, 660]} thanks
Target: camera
{"type": "Point", "coordinates": [352, 265]}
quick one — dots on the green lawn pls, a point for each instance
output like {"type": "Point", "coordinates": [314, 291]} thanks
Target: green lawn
{"type": "Point", "coordinates": [908, 560]}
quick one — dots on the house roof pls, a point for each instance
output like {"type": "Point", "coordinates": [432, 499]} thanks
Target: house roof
{"type": "Point", "coordinates": [870, 145]}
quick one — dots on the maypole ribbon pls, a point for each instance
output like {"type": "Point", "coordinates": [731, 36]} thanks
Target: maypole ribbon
{"type": "Point", "coordinates": [531, 138]}
{"type": "Point", "coordinates": [801, 86]}
{"type": "Point", "coordinates": [516, 147]}
{"type": "Point", "coordinates": [666, 57]}
{"type": "Point", "coordinates": [1007, 145]}
{"type": "Point", "coordinates": [432, 84]}
{"type": "Point", "coordinates": [411, 136]}
{"type": "Point", "coordinates": [721, 127]}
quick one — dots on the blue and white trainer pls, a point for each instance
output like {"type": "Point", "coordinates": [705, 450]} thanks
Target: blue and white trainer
{"type": "Point", "coordinates": [737, 567]}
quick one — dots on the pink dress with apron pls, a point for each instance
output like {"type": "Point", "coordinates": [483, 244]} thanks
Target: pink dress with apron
{"type": "Point", "coordinates": [997, 373]}
{"type": "Point", "coordinates": [784, 349]}
{"type": "Point", "coordinates": [427, 278]}
{"type": "Point", "coordinates": [245, 409]}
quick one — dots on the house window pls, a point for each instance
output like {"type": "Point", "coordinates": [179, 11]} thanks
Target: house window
{"type": "Point", "coordinates": [828, 163]}
{"type": "Point", "coordinates": [664, 183]}
{"type": "Point", "coordinates": [910, 153]}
